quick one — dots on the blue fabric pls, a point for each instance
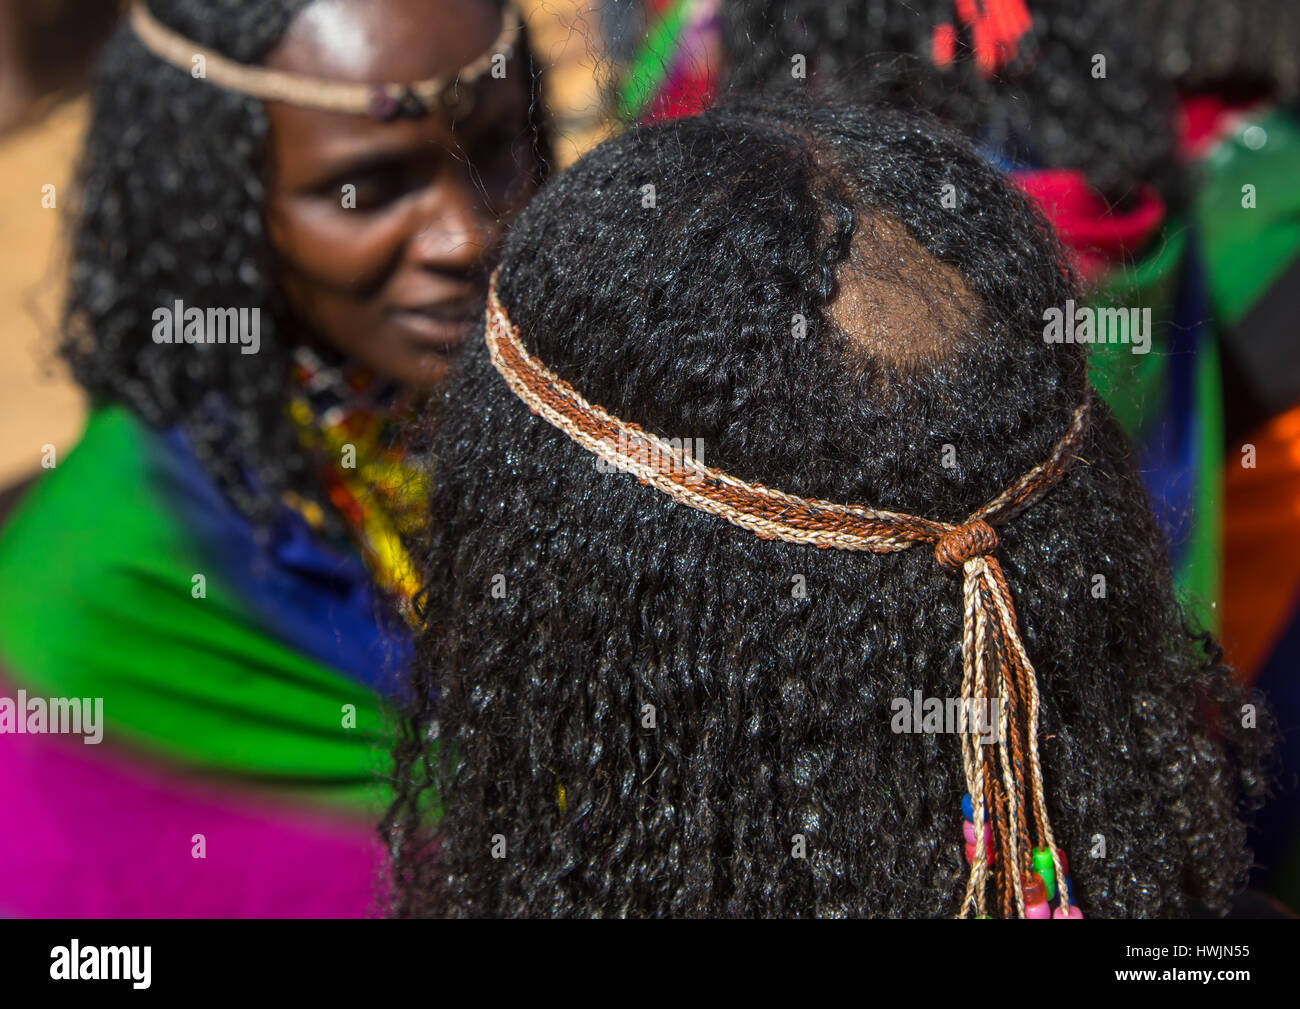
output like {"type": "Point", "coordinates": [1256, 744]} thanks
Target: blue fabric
{"type": "Point", "coordinates": [1170, 448]}
{"type": "Point", "coordinates": [1277, 829]}
{"type": "Point", "coordinates": [315, 596]}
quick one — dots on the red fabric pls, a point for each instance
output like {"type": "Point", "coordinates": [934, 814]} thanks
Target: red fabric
{"type": "Point", "coordinates": [943, 45]}
{"type": "Point", "coordinates": [691, 84]}
{"type": "Point", "coordinates": [996, 27]}
{"type": "Point", "coordinates": [1097, 236]}
{"type": "Point", "coordinates": [1205, 119]}
{"type": "Point", "coordinates": [683, 95]}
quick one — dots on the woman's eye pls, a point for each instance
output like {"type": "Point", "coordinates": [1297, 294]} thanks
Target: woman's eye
{"type": "Point", "coordinates": [374, 192]}
{"type": "Point", "coordinates": [370, 195]}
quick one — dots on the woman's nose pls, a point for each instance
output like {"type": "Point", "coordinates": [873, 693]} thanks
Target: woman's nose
{"type": "Point", "coordinates": [454, 229]}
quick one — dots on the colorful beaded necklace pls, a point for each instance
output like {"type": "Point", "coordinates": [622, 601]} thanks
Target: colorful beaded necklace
{"type": "Point", "coordinates": [351, 424]}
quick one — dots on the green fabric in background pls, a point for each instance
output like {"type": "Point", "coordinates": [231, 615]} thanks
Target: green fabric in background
{"type": "Point", "coordinates": [1134, 387]}
{"type": "Point", "coordinates": [96, 601]}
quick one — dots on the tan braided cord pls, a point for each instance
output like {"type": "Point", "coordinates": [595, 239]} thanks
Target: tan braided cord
{"type": "Point", "coordinates": [298, 89]}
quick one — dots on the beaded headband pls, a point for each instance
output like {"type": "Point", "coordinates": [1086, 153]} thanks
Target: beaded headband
{"type": "Point", "coordinates": [379, 101]}
{"type": "Point", "coordinates": [1004, 782]}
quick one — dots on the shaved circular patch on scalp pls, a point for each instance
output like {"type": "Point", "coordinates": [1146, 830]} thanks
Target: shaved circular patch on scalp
{"type": "Point", "coordinates": [898, 302]}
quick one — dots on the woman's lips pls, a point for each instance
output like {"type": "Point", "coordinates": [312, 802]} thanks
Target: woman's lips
{"type": "Point", "coordinates": [441, 327]}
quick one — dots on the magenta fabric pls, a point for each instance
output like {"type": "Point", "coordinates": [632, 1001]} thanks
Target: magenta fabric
{"type": "Point", "coordinates": [86, 832]}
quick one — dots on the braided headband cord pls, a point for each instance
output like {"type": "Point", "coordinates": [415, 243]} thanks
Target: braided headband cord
{"type": "Point", "coordinates": [1005, 780]}
{"type": "Point", "coordinates": [382, 101]}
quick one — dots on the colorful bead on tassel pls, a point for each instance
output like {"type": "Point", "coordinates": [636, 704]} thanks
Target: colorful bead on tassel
{"type": "Point", "coordinates": [1035, 893]}
{"type": "Point", "coordinates": [968, 809]}
{"type": "Point", "coordinates": [1044, 867]}
{"type": "Point", "coordinates": [1045, 876]}
{"type": "Point", "coordinates": [968, 832]}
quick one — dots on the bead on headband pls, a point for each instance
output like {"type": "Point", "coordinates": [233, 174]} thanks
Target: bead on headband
{"type": "Point", "coordinates": [379, 101]}
{"type": "Point", "coordinates": [1004, 780]}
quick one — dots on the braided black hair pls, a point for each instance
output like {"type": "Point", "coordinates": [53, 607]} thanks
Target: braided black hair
{"type": "Point", "coordinates": [626, 707]}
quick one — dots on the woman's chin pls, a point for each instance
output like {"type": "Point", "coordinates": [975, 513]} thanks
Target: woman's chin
{"type": "Point", "coordinates": [423, 367]}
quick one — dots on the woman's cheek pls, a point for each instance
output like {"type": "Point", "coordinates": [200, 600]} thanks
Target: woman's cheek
{"type": "Point", "coordinates": [341, 247]}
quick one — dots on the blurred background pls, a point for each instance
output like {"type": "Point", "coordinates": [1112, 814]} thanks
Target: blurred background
{"type": "Point", "coordinates": [1124, 175]}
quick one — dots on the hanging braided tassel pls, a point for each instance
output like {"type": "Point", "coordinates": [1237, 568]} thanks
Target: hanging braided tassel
{"type": "Point", "coordinates": [994, 659]}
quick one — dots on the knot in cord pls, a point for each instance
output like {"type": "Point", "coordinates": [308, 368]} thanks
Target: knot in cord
{"type": "Point", "coordinates": [974, 539]}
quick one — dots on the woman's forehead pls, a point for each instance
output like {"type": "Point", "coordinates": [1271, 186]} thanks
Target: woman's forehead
{"type": "Point", "coordinates": [386, 41]}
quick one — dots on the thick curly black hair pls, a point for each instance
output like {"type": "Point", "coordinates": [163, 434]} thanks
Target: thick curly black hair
{"type": "Point", "coordinates": [170, 195]}
{"type": "Point", "coordinates": [1045, 107]}
{"type": "Point", "coordinates": [561, 601]}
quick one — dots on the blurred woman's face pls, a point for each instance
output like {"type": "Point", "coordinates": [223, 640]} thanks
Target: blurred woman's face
{"type": "Point", "coordinates": [382, 228]}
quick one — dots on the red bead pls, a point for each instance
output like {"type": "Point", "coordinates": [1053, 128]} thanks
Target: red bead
{"type": "Point", "coordinates": [1035, 892]}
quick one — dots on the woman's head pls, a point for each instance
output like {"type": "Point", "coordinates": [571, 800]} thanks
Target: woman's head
{"type": "Point", "coordinates": [1058, 84]}
{"type": "Point", "coordinates": [363, 236]}
{"type": "Point", "coordinates": [393, 276]}
{"type": "Point", "coordinates": [654, 709]}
